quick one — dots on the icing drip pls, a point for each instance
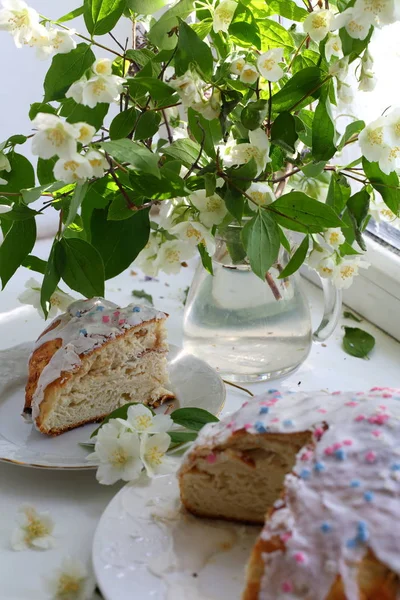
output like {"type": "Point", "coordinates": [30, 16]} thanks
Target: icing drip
{"type": "Point", "coordinates": [343, 497]}
{"type": "Point", "coordinates": [86, 325]}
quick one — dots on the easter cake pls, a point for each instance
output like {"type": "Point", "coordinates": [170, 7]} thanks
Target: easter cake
{"type": "Point", "coordinates": [92, 359]}
{"type": "Point", "coordinates": [326, 471]}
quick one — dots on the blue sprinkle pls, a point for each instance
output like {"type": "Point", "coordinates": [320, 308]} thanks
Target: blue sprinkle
{"type": "Point", "coordinates": [83, 331]}
{"type": "Point", "coordinates": [100, 308]}
{"type": "Point", "coordinates": [362, 532]}
{"type": "Point", "coordinates": [136, 309]}
{"type": "Point", "coordinates": [368, 496]}
{"type": "Point", "coordinates": [319, 466]}
{"type": "Point", "coordinates": [78, 314]}
{"type": "Point", "coordinates": [355, 483]}
{"type": "Point", "coordinates": [272, 391]}
{"type": "Point", "coordinates": [340, 454]}
{"type": "Point", "coordinates": [351, 543]}
{"type": "Point", "coordinates": [305, 474]}
{"type": "Point", "coordinates": [288, 423]}
{"type": "Point", "coordinates": [263, 410]}
{"type": "Point", "coordinates": [326, 527]}
{"type": "Point", "coordinates": [395, 467]}
{"type": "Point", "coordinates": [260, 427]}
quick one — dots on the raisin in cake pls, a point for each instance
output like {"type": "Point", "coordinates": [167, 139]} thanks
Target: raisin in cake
{"type": "Point", "coordinates": [93, 359]}
{"type": "Point", "coordinates": [326, 471]}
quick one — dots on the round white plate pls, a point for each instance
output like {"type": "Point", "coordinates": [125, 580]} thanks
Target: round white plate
{"type": "Point", "coordinates": [193, 382]}
{"type": "Point", "coordinates": [147, 546]}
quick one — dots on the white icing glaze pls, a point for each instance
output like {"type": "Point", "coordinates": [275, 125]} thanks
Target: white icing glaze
{"type": "Point", "coordinates": [86, 325]}
{"type": "Point", "coordinates": [343, 497]}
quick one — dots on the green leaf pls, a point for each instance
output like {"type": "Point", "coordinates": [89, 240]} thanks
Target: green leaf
{"type": "Point", "coordinates": [12, 141]}
{"type": "Point", "coordinates": [274, 35]}
{"type": "Point", "coordinates": [283, 132]}
{"type": "Point", "coordinates": [159, 32]}
{"type": "Point", "coordinates": [34, 264]}
{"type": "Point", "coordinates": [123, 124]}
{"type": "Point", "coordinates": [201, 127]}
{"type": "Point", "coordinates": [323, 130]}
{"type": "Point", "coordinates": [50, 279]}
{"type": "Point", "coordinates": [41, 107]}
{"type": "Point", "coordinates": [76, 200]}
{"type": "Point", "coordinates": [203, 28]}
{"type": "Point", "coordinates": [254, 114]}
{"type": "Point", "coordinates": [146, 8]}
{"type": "Point", "coordinates": [81, 267]}
{"type": "Point", "coordinates": [144, 295]}
{"type": "Point", "coordinates": [118, 210]}
{"type": "Point", "coordinates": [283, 239]}
{"type": "Point", "coordinates": [299, 212]}
{"type": "Point", "coordinates": [31, 194]}
{"type": "Point", "coordinates": [314, 169]}
{"type": "Point", "coordinates": [182, 437]}
{"type": "Point", "coordinates": [206, 259]}
{"type": "Point", "coordinates": [186, 151]}
{"type": "Point", "coordinates": [234, 201]}
{"type": "Point", "coordinates": [297, 259]}
{"type": "Point", "coordinates": [242, 176]}
{"type": "Point", "coordinates": [168, 186]}
{"type": "Point", "coordinates": [357, 342]}
{"type": "Point", "coordinates": [147, 125]}
{"type": "Point", "coordinates": [137, 155]}
{"type": "Point", "coordinates": [17, 244]}
{"type": "Point", "coordinates": [349, 315]}
{"type": "Point", "coordinates": [119, 242]}
{"type": "Point", "coordinates": [303, 85]}
{"type": "Point", "coordinates": [65, 69]}
{"type": "Point", "coordinates": [191, 50]}
{"type": "Point", "coordinates": [19, 212]}
{"type": "Point", "coordinates": [356, 217]}
{"type": "Point", "coordinates": [101, 16]}
{"type": "Point", "coordinates": [192, 418]}
{"type": "Point", "coordinates": [352, 47]}
{"type": "Point", "coordinates": [351, 130]}
{"type": "Point", "coordinates": [158, 90]}
{"type": "Point", "coordinates": [44, 171]}
{"type": "Point", "coordinates": [260, 238]}
{"type": "Point", "coordinates": [287, 9]}
{"type": "Point", "coordinates": [71, 15]}
{"type": "Point", "coordinates": [338, 192]}
{"type": "Point", "coordinates": [119, 413]}
{"type": "Point", "coordinates": [245, 34]}
{"type": "Point", "coordinates": [77, 113]}
{"type": "Point", "coordinates": [20, 176]}
{"type": "Point", "coordinates": [386, 185]}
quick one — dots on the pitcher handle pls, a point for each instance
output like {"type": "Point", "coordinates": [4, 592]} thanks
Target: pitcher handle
{"type": "Point", "coordinates": [332, 309]}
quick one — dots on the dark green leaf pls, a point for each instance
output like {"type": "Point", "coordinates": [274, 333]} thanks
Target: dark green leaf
{"type": "Point", "coordinates": [19, 212]}
{"type": "Point", "coordinates": [261, 240]}
{"type": "Point", "coordinates": [41, 107]}
{"type": "Point", "coordinates": [357, 342]}
{"type": "Point", "coordinates": [210, 130]}
{"type": "Point", "coordinates": [71, 15]}
{"type": "Point", "coordinates": [77, 113]}
{"type": "Point", "coordinates": [283, 239]}
{"type": "Point", "coordinates": [31, 194]}
{"type": "Point", "coordinates": [158, 90]}
{"type": "Point", "coordinates": [12, 141]}
{"type": "Point", "coordinates": [283, 132]}
{"type": "Point", "coordinates": [142, 294]}
{"type": "Point", "coordinates": [303, 85]}
{"type": "Point", "coordinates": [386, 185]}
{"type": "Point", "coordinates": [168, 186]}
{"type": "Point", "coordinates": [34, 264]}
{"type": "Point", "coordinates": [287, 9]}
{"type": "Point", "coordinates": [358, 205]}
{"type": "Point", "coordinates": [65, 69]}
{"type": "Point", "coordinates": [323, 130]}
{"type": "Point", "coordinates": [191, 50]}
{"type": "Point", "coordinates": [119, 242]}
{"type": "Point", "coordinates": [299, 212]}
{"type": "Point", "coordinates": [352, 47]}
{"type": "Point", "coordinates": [160, 33]}
{"type": "Point", "coordinates": [186, 151]}
{"type": "Point", "coordinates": [349, 315]}
{"type": "Point", "coordinates": [122, 125]}
{"type": "Point", "coordinates": [242, 176]}
{"type": "Point", "coordinates": [297, 259]}
{"type": "Point", "coordinates": [44, 171]}
{"type": "Point", "coordinates": [76, 200]}
{"type": "Point", "coordinates": [50, 279]}
{"type": "Point", "coordinates": [275, 35]}
{"type": "Point", "coordinates": [142, 57]}
{"type": "Point", "coordinates": [193, 418]}
{"type": "Point", "coordinates": [182, 437]}
{"type": "Point", "coordinates": [254, 114]}
{"type": "Point", "coordinates": [81, 267]}
{"type": "Point", "coordinates": [210, 181]}
{"type": "Point", "coordinates": [245, 34]}
{"type": "Point", "coordinates": [118, 210]}
{"type": "Point", "coordinates": [21, 175]}
{"type": "Point", "coordinates": [101, 16]}
{"type": "Point", "coordinates": [119, 413]}
{"type": "Point", "coordinates": [234, 201]}
{"type": "Point", "coordinates": [147, 125]}
{"type": "Point", "coordinates": [205, 258]}
{"type": "Point", "coordinates": [137, 155]}
{"type": "Point", "coordinates": [314, 169]}
{"type": "Point", "coordinates": [351, 130]}
{"type": "Point", "coordinates": [338, 192]}
{"type": "Point", "coordinates": [17, 244]}
{"type": "Point", "coordinates": [147, 7]}
{"type": "Point", "coordinates": [346, 249]}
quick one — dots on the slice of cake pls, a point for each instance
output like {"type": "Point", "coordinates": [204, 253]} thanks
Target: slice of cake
{"type": "Point", "coordinates": [93, 359]}
{"type": "Point", "coordinates": [327, 469]}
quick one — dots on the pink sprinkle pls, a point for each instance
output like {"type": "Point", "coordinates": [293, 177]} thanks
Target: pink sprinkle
{"type": "Point", "coordinates": [360, 394]}
{"type": "Point", "coordinates": [322, 410]}
{"type": "Point", "coordinates": [360, 418]}
{"type": "Point", "coordinates": [370, 456]}
{"type": "Point", "coordinates": [276, 420]}
{"type": "Point", "coordinates": [244, 404]}
{"type": "Point", "coordinates": [211, 458]}
{"type": "Point", "coordinates": [271, 402]}
{"type": "Point", "coordinates": [328, 451]}
{"type": "Point", "coordinates": [306, 455]}
{"type": "Point", "coordinates": [377, 389]}
{"type": "Point", "coordinates": [318, 432]}
{"type": "Point", "coordinates": [299, 557]}
{"type": "Point", "coordinates": [376, 433]}
{"type": "Point", "coordinates": [348, 442]}
{"type": "Point", "coordinates": [336, 393]}
{"type": "Point", "coordinates": [116, 313]}
{"type": "Point", "coordinates": [105, 319]}
{"type": "Point", "coordinates": [121, 321]}
{"type": "Point", "coordinates": [337, 445]}
{"type": "Point", "coordinates": [386, 395]}
{"type": "Point", "coordinates": [247, 426]}
{"type": "Point", "coordinates": [382, 407]}
{"type": "Point", "coordinates": [286, 536]}
{"type": "Point", "coordinates": [352, 403]}
{"type": "Point", "coordinates": [287, 586]}
{"type": "Point", "coordinates": [231, 424]}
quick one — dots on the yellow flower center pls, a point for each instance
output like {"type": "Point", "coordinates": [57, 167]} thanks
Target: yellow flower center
{"type": "Point", "coordinates": [375, 6]}
{"type": "Point", "coordinates": [213, 204]}
{"type": "Point", "coordinates": [98, 87]}
{"type": "Point", "coordinates": [172, 255]}
{"type": "Point", "coordinates": [57, 41]}
{"type": "Point", "coordinates": [327, 270]}
{"type": "Point", "coordinates": [248, 72]}
{"type": "Point", "coordinates": [20, 19]}
{"type": "Point", "coordinates": [68, 585]}
{"type": "Point", "coordinates": [35, 528]}
{"type": "Point", "coordinates": [154, 456]}
{"type": "Point", "coordinates": [71, 165]}
{"type": "Point", "coordinates": [386, 212]}
{"type": "Point", "coordinates": [192, 232]}
{"type": "Point", "coordinates": [394, 152]}
{"type": "Point", "coordinates": [334, 237]}
{"type": "Point", "coordinates": [346, 272]}
{"type": "Point", "coordinates": [257, 197]}
{"type": "Point", "coordinates": [319, 21]}
{"type": "Point", "coordinates": [84, 132]}
{"type": "Point", "coordinates": [336, 46]}
{"type": "Point", "coordinates": [101, 68]}
{"type": "Point", "coordinates": [239, 64]}
{"type": "Point", "coordinates": [143, 422]}
{"type": "Point", "coordinates": [375, 136]}
{"type": "Point", "coordinates": [269, 64]}
{"type": "Point", "coordinates": [224, 14]}
{"type": "Point", "coordinates": [353, 26]}
{"type": "Point", "coordinates": [95, 162]}
{"type": "Point", "coordinates": [56, 136]}
{"type": "Point", "coordinates": [119, 458]}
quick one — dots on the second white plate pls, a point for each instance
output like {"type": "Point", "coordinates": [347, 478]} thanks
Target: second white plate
{"type": "Point", "coordinates": [193, 381]}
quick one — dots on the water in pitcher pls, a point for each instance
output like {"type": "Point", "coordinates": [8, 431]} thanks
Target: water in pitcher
{"type": "Point", "coordinates": [248, 329]}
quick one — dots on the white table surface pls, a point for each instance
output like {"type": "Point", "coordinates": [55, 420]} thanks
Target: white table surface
{"type": "Point", "coordinates": [75, 499]}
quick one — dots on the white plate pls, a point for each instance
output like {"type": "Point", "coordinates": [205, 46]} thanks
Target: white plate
{"type": "Point", "coordinates": [148, 547]}
{"type": "Point", "coordinates": [193, 381]}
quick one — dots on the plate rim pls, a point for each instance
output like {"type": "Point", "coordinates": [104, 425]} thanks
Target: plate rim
{"type": "Point", "coordinates": [173, 348]}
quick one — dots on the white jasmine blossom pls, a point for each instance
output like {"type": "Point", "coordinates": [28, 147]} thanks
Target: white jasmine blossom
{"type": "Point", "coordinates": [72, 581]}
{"type": "Point", "coordinates": [260, 193]}
{"type": "Point", "coordinates": [85, 132]}
{"type": "Point", "coordinates": [54, 137]}
{"type": "Point", "coordinates": [75, 169]}
{"type": "Point", "coordinates": [142, 420]}
{"type": "Point", "coordinates": [147, 259]}
{"type": "Point", "coordinates": [210, 107]}
{"type": "Point", "coordinates": [257, 148]}
{"type": "Point", "coordinates": [223, 15]}
{"type": "Point", "coordinates": [356, 26]}
{"type": "Point", "coordinates": [40, 39]}
{"type": "Point", "coordinates": [102, 66]}
{"type": "Point", "coordinates": [189, 87]}
{"type": "Point", "coordinates": [367, 81]}
{"type": "Point", "coordinates": [102, 89]}
{"type": "Point", "coordinates": [195, 233]}
{"type": "Point", "coordinates": [340, 68]}
{"type": "Point", "coordinates": [237, 65]}
{"type": "Point", "coordinates": [334, 237]}
{"type": "Point", "coordinates": [346, 270]}
{"type": "Point", "coordinates": [59, 301]}
{"type": "Point", "coordinates": [4, 163]}
{"type": "Point", "coordinates": [317, 24]}
{"type": "Point", "coordinates": [333, 47]}
{"type": "Point", "coordinates": [268, 64]}
{"type": "Point", "coordinates": [75, 91]}
{"type": "Point", "coordinates": [98, 162]}
{"type": "Point", "coordinates": [172, 254]}
{"type": "Point", "coordinates": [323, 261]}
{"type": "Point", "coordinates": [345, 93]}
{"type": "Point", "coordinates": [249, 74]}
{"type": "Point", "coordinates": [376, 12]}
{"type": "Point", "coordinates": [19, 19]}
{"type": "Point", "coordinates": [212, 208]}
{"type": "Point", "coordinates": [378, 143]}
{"type": "Point", "coordinates": [61, 40]}
{"type": "Point", "coordinates": [153, 454]}
{"type": "Point", "coordinates": [34, 531]}
{"type": "Point", "coordinates": [381, 212]}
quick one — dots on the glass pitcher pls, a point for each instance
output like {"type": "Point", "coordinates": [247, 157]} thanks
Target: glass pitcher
{"type": "Point", "coordinates": [246, 328]}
